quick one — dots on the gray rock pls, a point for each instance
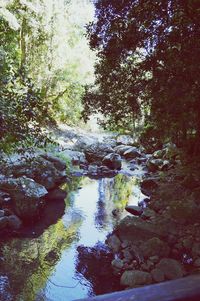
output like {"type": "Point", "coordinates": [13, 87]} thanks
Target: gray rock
{"type": "Point", "coordinates": [125, 140]}
{"type": "Point", "coordinates": [4, 197]}
{"type": "Point", "coordinates": [147, 266]}
{"type": "Point", "coordinates": [76, 157]}
{"type": "Point", "coordinates": [2, 213]}
{"type": "Point", "coordinates": [14, 222]}
{"type": "Point", "coordinates": [26, 195]}
{"type": "Point", "coordinates": [132, 153]}
{"type": "Point", "coordinates": [40, 170]}
{"type": "Point", "coordinates": [113, 161]}
{"type": "Point", "coordinates": [117, 264]}
{"type": "Point", "coordinates": [135, 210]}
{"type": "Point", "coordinates": [154, 165]}
{"type": "Point", "coordinates": [157, 275]}
{"type": "Point", "coordinates": [121, 149]}
{"type": "Point", "coordinates": [171, 268]}
{"type": "Point", "coordinates": [134, 278]}
{"type": "Point", "coordinates": [114, 243]}
{"type": "Point", "coordinates": [3, 222]}
{"type": "Point", "coordinates": [155, 246]}
{"type": "Point", "coordinates": [148, 213]}
{"type": "Point", "coordinates": [133, 228]}
{"type": "Point", "coordinates": [57, 162]}
{"type": "Point", "coordinates": [127, 255]}
{"type": "Point", "coordinates": [96, 152]}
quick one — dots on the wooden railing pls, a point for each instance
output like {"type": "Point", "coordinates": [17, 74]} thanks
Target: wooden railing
{"type": "Point", "coordinates": [183, 289]}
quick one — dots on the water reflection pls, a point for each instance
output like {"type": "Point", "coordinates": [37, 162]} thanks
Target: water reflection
{"type": "Point", "coordinates": [63, 261]}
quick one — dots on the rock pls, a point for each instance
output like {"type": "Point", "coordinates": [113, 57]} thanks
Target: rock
{"type": "Point", "coordinates": [157, 275]}
{"type": "Point", "coordinates": [125, 140]}
{"type": "Point", "coordinates": [171, 268]}
{"type": "Point", "coordinates": [127, 255]}
{"type": "Point", "coordinates": [184, 212]}
{"type": "Point", "coordinates": [40, 170]}
{"type": "Point", "coordinates": [149, 185]}
{"type": "Point", "coordinates": [76, 157]}
{"type": "Point", "coordinates": [14, 222]}
{"type": "Point", "coordinates": [134, 278]}
{"type": "Point", "coordinates": [4, 197]}
{"type": "Point", "coordinates": [147, 266]}
{"type": "Point", "coordinates": [154, 259]}
{"type": "Point", "coordinates": [133, 228]}
{"type": "Point", "coordinates": [113, 161]}
{"type": "Point", "coordinates": [197, 263]}
{"type": "Point", "coordinates": [114, 243]}
{"type": "Point", "coordinates": [2, 213]}
{"type": "Point", "coordinates": [117, 264]}
{"type": "Point", "coordinates": [104, 171]}
{"type": "Point", "coordinates": [92, 169]}
{"type": "Point", "coordinates": [135, 210]}
{"type": "Point", "coordinates": [196, 250]}
{"type": "Point", "coordinates": [3, 222]}
{"type": "Point", "coordinates": [84, 142]}
{"type": "Point", "coordinates": [26, 195]}
{"type": "Point", "coordinates": [148, 213]}
{"type": "Point", "coordinates": [132, 153]}
{"type": "Point", "coordinates": [121, 149]}
{"type": "Point", "coordinates": [57, 162]}
{"type": "Point", "coordinates": [56, 194]}
{"type": "Point", "coordinates": [153, 247]}
{"type": "Point", "coordinates": [159, 154]}
{"type": "Point", "coordinates": [96, 152]}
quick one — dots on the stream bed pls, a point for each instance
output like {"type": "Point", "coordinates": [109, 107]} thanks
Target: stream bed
{"type": "Point", "coordinates": [64, 257]}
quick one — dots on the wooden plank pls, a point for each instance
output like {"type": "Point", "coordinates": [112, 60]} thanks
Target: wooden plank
{"type": "Point", "coordinates": [183, 289]}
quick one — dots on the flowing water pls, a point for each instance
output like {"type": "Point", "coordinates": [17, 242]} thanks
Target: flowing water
{"type": "Point", "coordinates": [64, 257]}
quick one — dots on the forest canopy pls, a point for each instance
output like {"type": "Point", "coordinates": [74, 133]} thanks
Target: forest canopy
{"type": "Point", "coordinates": [148, 67]}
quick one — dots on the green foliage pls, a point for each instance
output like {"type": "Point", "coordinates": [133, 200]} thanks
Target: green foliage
{"type": "Point", "coordinates": [148, 65]}
{"type": "Point", "coordinates": [43, 53]}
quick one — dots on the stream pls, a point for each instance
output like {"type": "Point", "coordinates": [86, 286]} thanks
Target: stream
{"type": "Point", "coordinates": [64, 257]}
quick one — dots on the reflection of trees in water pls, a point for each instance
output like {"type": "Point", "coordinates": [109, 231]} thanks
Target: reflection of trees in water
{"type": "Point", "coordinates": [113, 193]}
{"type": "Point", "coordinates": [28, 263]}
{"type": "Point", "coordinates": [94, 264]}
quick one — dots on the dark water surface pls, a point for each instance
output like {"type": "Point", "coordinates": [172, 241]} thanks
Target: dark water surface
{"type": "Point", "coordinates": [64, 257]}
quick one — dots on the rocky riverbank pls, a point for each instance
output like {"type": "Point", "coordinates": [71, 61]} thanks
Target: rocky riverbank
{"type": "Point", "coordinates": [158, 239]}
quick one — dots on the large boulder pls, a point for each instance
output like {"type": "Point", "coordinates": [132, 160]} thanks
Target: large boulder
{"type": "Point", "coordinates": [154, 246]}
{"type": "Point", "coordinates": [132, 153]}
{"type": "Point", "coordinates": [84, 142]}
{"type": "Point", "coordinates": [41, 170]}
{"type": "Point", "coordinates": [76, 157]}
{"type": "Point", "coordinates": [26, 195]}
{"type": "Point", "coordinates": [121, 149]}
{"type": "Point", "coordinates": [113, 161]}
{"type": "Point", "coordinates": [134, 229]}
{"type": "Point", "coordinates": [96, 152]}
{"type": "Point", "coordinates": [125, 140]}
{"type": "Point", "coordinates": [154, 165]}
{"type": "Point", "coordinates": [135, 278]}
{"type": "Point", "coordinates": [58, 163]}
{"type": "Point", "coordinates": [171, 268]}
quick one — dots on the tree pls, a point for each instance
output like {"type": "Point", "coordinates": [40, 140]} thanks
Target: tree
{"type": "Point", "coordinates": [148, 53]}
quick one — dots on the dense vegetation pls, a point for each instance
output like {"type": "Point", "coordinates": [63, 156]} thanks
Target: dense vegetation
{"type": "Point", "coordinates": [44, 64]}
{"type": "Point", "coordinates": [148, 67]}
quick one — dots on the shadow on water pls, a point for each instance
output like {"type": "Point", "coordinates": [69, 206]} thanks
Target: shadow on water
{"type": "Point", "coordinates": [61, 257]}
